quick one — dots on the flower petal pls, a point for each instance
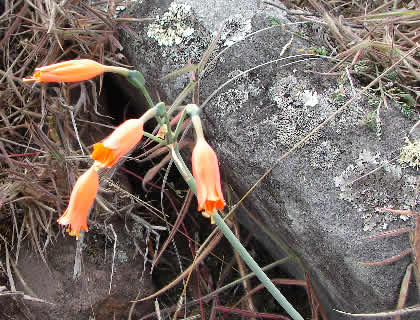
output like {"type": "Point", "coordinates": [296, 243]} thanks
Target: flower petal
{"type": "Point", "coordinates": [207, 176]}
{"type": "Point", "coordinates": [124, 138]}
{"type": "Point", "coordinates": [68, 71]}
{"type": "Point", "coordinates": [103, 155]}
{"type": "Point", "coordinates": [81, 200]}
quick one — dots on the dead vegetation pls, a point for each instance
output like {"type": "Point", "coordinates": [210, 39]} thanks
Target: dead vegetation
{"type": "Point", "coordinates": [46, 130]}
{"type": "Point", "coordinates": [41, 148]}
{"type": "Point", "coordinates": [368, 37]}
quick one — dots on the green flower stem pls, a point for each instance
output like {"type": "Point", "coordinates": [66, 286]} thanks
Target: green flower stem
{"type": "Point", "coordinates": [180, 164]}
{"type": "Point", "coordinates": [154, 138]}
{"type": "Point", "coordinates": [256, 268]}
{"type": "Point", "coordinates": [179, 125]}
{"type": "Point", "coordinates": [169, 135]}
{"type": "Point", "coordinates": [236, 244]}
{"type": "Point", "coordinates": [147, 96]}
{"type": "Point", "coordinates": [137, 80]}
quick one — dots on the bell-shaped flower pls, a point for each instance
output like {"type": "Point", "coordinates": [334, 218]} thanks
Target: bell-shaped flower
{"type": "Point", "coordinates": [124, 138]}
{"type": "Point", "coordinates": [81, 200]}
{"type": "Point", "coordinates": [73, 71]}
{"type": "Point", "coordinates": [205, 167]}
{"type": "Point", "coordinates": [68, 71]}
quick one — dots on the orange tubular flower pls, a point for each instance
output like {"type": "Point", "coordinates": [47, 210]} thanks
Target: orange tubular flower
{"type": "Point", "coordinates": [207, 177]}
{"type": "Point", "coordinates": [68, 71]}
{"type": "Point", "coordinates": [119, 143]}
{"type": "Point", "coordinates": [81, 199]}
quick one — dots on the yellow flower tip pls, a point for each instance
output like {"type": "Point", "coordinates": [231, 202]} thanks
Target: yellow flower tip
{"type": "Point", "coordinates": [81, 200]}
{"type": "Point", "coordinates": [31, 79]}
{"type": "Point", "coordinates": [209, 214]}
{"type": "Point", "coordinates": [121, 141]}
{"type": "Point", "coordinates": [162, 131]}
{"type": "Point", "coordinates": [74, 233]}
{"type": "Point", "coordinates": [68, 71]}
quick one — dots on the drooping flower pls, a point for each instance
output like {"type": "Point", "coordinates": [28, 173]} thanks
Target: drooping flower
{"type": "Point", "coordinates": [206, 173]}
{"type": "Point", "coordinates": [68, 71]}
{"type": "Point", "coordinates": [120, 142]}
{"type": "Point", "coordinates": [81, 199]}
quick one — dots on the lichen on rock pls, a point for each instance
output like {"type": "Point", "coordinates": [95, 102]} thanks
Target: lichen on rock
{"type": "Point", "coordinates": [324, 155]}
{"type": "Point", "coordinates": [235, 29]}
{"type": "Point", "coordinates": [410, 154]}
{"type": "Point", "coordinates": [297, 116]}
{"type": "Point", "coordinates": [173, 27]}
{"type": "Point", "coordinates": [366, 188]}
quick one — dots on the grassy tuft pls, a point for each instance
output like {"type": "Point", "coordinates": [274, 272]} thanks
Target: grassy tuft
{"type": "Point", "coordinates": [369, 36]}
{"type": "Point", "coordinates": [41, 152]}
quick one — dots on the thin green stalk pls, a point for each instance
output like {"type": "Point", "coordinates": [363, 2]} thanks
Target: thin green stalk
{"type": "Point", "coordinates": [180, 164]}
{"type": "Point", "coordinates": [137, 80]}
{"type": "Point", "coordinates": [154, 138]}
{"type": "Point", "coordinates": [147, 96]}
{"type": "Point", "coordinates": [256, 268]}
{"type": "Point", "coordinates": [181, 96]}
{"type": "Point", "coordinates": [179, 125]}
{"type": "Point", "coordinates": [169, 135]}
{"type": "Point", "coordinates": [236, 243]}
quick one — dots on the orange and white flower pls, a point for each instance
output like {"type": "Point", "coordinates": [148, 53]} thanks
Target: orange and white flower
{"type": "Point", "coordinates": [68, 71]}
{"type": "Point", "coordinates": [124, 138]}
{"type": "Point", "coordinates": [73, 71]}
{"type": "Point", "coordinates": [81, 200]}
{"type": "Point", "coordinates": [206, 173]}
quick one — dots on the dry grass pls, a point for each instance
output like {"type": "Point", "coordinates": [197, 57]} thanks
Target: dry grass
{"type": "Point", "coordinates": [41, 154]}
{"type": "Point", "coordinates": [369, 36]}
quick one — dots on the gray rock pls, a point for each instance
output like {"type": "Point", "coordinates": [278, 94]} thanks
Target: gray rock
{"type": "Point", "coordinates": [320, 200]}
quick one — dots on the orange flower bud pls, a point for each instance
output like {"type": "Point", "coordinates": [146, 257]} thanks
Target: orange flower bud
{"type": "Point", "coordinates": [81, 199]}
{"type": "Point", "coordinates": [68, 71]}
{"type": "Point", "coordinates": [120, 142]}
{"type": "Point", "coordinates": [207, 177]}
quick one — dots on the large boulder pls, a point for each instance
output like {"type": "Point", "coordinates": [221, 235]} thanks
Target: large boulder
{"type": "Point", "coordinates": [321, 200]}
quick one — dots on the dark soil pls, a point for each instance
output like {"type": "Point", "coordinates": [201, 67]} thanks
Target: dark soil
{"type": "Point", "coordinates": [88, 296]}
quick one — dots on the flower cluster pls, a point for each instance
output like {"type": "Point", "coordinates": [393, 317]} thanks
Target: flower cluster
{"type": "Point", "coordinates": [120, 142]}
{"type": "Point", "coordinates": [106, 154]}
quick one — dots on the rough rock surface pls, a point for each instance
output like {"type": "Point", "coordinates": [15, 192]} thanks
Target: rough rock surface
{"type": "Point", "coordinates": [321, 199]}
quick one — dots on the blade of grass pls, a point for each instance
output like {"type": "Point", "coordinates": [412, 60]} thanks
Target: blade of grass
{"type": "Point", "coordinates": [404, 289]}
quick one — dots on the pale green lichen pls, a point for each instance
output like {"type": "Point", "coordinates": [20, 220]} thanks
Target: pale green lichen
{"type": "Point", "coordinates": [373, 122]}
{"type": "Point", "coordinates": [233, 99]}
{"type": "Point", "coordinates": [173, 27]}
{"type": "Point", "coordinates": [301, 109]}
{"type": "Point", "coordinates": [372, 182]}
{"type": "Point", "coordinates": [236, 28]}
{"type": "Point", "coordinates": [410, 154]}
